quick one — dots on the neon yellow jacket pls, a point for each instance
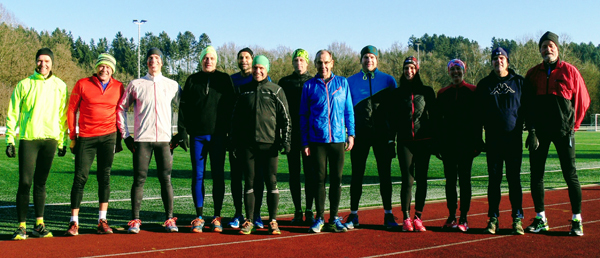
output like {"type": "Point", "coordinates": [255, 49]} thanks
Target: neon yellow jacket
{"type": "Point", "coordinates": [38, 107]}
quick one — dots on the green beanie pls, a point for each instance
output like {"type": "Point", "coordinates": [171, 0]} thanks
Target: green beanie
{"type": "Point", "coordinates": [107, 59]}
{"type": "Point", "coordinates": [300, 53]}
{"type": "Point", "coordinates": [261, 60]}
{"type": "Point", "coordinates": [209, 49]}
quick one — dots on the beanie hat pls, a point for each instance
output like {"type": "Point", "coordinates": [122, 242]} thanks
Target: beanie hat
{"type": "Point", "coordinates": [499, 51]}
{"type": "Point", "coordinates": [107, 59]}
{"type": "Point", "coordinates": [369, 49]}
{"type": "Point", "coordinates": [154, 51]}
{"type": "Point", "coordinates": [548, 36]}
{"type": "Point", "coordinates": [45, 51]}
{"type": "Point", "coordinates": [246, 50]}
{"type": "Point", "coordinates": [457, 62]}
{"type": "Point", "coordinates": [209, 49]}
{"type": "Point", "coordinates": [411, 60]}
{"type": "Point", "coordinates": [300, 53]}
{"type": "Point", "coordinates": [261, 60]}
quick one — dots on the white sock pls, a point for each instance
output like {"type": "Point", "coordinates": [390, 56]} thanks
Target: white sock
{"type": "Point", "coordinates": [75, 218]}
{"type": "Point", "coordinates": [388, 211]}
{"type": "Point", "coordinates": [102, 215]}
{"type": "Point", "coordinates": [542, 215]}
{"type": "Point", "coordinates": [577, 216]}
{"type": "Point", "coordinates": [354, 212]}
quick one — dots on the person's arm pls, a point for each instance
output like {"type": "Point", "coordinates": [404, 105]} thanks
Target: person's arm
{"type": "Point", "coordinates": [74, 102]}
{"type": "Point", "coordinates": [12, 115]}
{"type": "Point", "coordinates": [122, 107]}
{"type": "Point", "coordinates": [304, 117]}
{"type": "Point", "coordinates": [580, 100]}
{"type": "Point", "coordinates": [349, 117]}
{"type": "Point", "coordinates": [284, 121]}
{"type": "Point", "coordinates": [64, 105]}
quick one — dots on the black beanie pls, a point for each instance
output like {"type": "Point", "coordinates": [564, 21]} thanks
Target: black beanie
{"type": "Point", "coordinates": [246, 50]}
{"type": "Point", "coordinates": [45, 51]}
{"type": "Point", "coordinates": [498, 52]}
{"type": "Point", "coordinates": [548, 36]}
{"type": "Point", "coordinates": [154, 51]}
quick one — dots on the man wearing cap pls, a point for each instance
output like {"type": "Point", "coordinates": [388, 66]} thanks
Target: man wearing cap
{"type": "Point", "coordinates": [327, 131]}
{"type": "Point", "coordinates": [38, 107]}
{"type": "Point", "coordinates": [204, 114]}
{"type": "Point", "coordinates": [154, 98]}
{"type": "Point", "coordinates": [292, 86]}
{"type": "Point", "coordinates": [502, 97]}
{"type": "Point", "coordinates": [558, 107]}
{"type": "Point", "coordinates": [261, 127]}
{"type": "Point", "coordinates": [370, 89]}
{"type": "Point", "coordinates": [95, 99]}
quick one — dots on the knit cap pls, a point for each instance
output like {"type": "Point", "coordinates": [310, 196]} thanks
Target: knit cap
{"type": "Point", "coordinates": [45, 51]}
{"type": "Point", "coordinates": [548, 36]}
{"type": "Point", "coordinates": [261, 60]}
{"type": "Point", "coordinates": [457, 62]}
{"type": "Point", "coordinates": [246, 50]}
{"type": "Point", "coordinates": [499, 51]}
{"type": "Point", "coordinates": [107, 59]}
{"type": "Point", "coordinates": [411, 60]}
{"type": "Point", "coordinates": [154, 51]}
{"type": "Point", "coordinates": [369, 49]}
{"type": "Point", "coordinates": [209, 49]}
{"type": "Point", "coordinates": [300, 53]}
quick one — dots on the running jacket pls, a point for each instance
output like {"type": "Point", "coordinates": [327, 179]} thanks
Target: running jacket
{"type": "Point", "coordinates": [326, 113]}
{"type": "Point", "coordinates": [97, 107]}
{"type": "Point", "coordinates": [502, 102]}
{"type": "Point", "coordinates": [560, 98]}
{"type": "Point", "coordinates": [292, 86]}
{"type": "Point", "coordinates": [369, 92]}
{"type": "Point", "coordinates": [410, 110]}
{"type": "Point", "coordinates": [261, 115]}
{"type": "Point", "coordinates": [238, 80]}
{"type": "Point", "coordinates": [455, 111]}
{"type": "Point", "coordinates": [206, 104]}
{"type": "Point", "coordinates": [38, 106]}
{"type": "Point", "coordinates": [154, 98]}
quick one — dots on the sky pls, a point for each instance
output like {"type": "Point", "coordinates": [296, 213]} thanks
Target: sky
{"type": "Point", "coordinates": [315, 24]}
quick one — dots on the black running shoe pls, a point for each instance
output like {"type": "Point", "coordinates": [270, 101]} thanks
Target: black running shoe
{"type": "Point", "coordinates": [576, 228]}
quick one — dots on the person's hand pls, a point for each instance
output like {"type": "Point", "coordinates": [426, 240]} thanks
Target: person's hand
{"type": "Point", "coordinates": [62, 151]}
{"type": "Point", "coordinates": [129, 144]}
{"type": "Point", "coordinates": [285, 148]}
{"type": "Point", "coordinates": [350, 143]}
{"type": "Point", "coordinates": [532, 142]}
{"type": "Point", "coordinates": [72, 145]}
{"type": "Point", "coordinates": [118, 145]}
{"type": "Point", "coordinates": [180, 139]}
{"type": "Point", "coordinates": [10, 151]}
{"type": "Point", "coordinates": [306, 151]}
{"type": "Point", "coordinates": [392, 149]}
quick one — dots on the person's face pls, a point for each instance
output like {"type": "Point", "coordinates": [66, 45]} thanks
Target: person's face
{"type": "Point", "coordinates": [104, 72]}
{"type": "Point", "coordinates": [457, 74]}
{"type": "Point", "coordinates": [245, 62]}
{"type": "Point", "coordinates": [300, 65]}
{"type": "Point", "coordinates": [259, 72]}
{"type": "Point", "coordinates": [154, 64]}
{"type": "Point", "coordinates": [324, 64]}
{"type": "Point", "coordinates": [500, 64]}
{"type": "Point", "coordinates": [409, 71]}
{"type": "Point", "coordinates": [44, 65]}
{"type": "Point", "coordinates": [209, 63]}
{"type": "Point", "coordinates": [549, 51]}
{"type": "Point", "coordinates": [369, 62]}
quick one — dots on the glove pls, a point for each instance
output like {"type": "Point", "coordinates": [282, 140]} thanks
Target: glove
{"type": "Point", "coordinates": [392, 149]}
{"type": "Point", "coordinates": [532, 142]}
{"type": "Point", "coordinates": [285, 148]}
{"type": "Point", "coordinates": [118, 146]}
{"type": "Point", "coordinates": [129, 144]}
{"type": "Point", "coordinates": [10, 151]}
{"type": "Point", "coordinates": [180, 139]}
{"type": "Point", "coordinates": [62, 152]}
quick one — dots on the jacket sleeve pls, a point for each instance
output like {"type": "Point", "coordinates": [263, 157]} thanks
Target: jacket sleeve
{"type": "Point", "coordinates": [12, 115]}
{"type": "Point", "coordinates": [175, 105]}
{"type": "Point", "coordinates": [304, 113]}
{"type": "Point", "coordinates": [284, 121]}
{"type": "Point", "coordinates": [528, 101]}
{"type": "Point", "coordinates": [581, 99]}
{"type": "Point", "coordinates": [480, 108]}
{"type": "Point", "coordinates": [122, 108]}
{"type": "Point", "coordinates": [349, 111]}
{"type": "Point", "coordinates": [64, 106]}
{"type": "Point", "coordinates": [74, 101]}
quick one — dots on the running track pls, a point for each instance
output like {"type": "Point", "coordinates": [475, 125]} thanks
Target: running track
{"type": "Point", "coordinates": [370, 240]}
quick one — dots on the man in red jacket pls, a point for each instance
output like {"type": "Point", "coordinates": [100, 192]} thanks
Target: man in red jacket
{"type": "Point", "coordinates": [96, 99]}
{"type": "Point", "coordinates": [559, 104]}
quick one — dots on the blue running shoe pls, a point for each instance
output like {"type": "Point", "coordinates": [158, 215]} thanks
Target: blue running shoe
{"type": "Point", "coordinates": [235, 221]}
{"type": "Point", "coordinates": [317, 226]}
{"type": "Point", "coordinates": [258, 222]}
{"type": "Point", "coordinates": [351, 221]}
{"type": "Point", "coordinates": [337, 226]}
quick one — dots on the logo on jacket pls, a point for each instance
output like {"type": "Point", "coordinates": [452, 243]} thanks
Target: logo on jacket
{"type": "Point", "coordinates": [502, 88]}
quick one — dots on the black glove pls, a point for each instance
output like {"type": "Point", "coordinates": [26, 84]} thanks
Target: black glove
{"type": "Point", "coordinates": [10, 151]}
{"type": "Point", "coordinates": [62, 152]}
{"type": "Point", "coordinates": [180, 139]}
{"type": "Point", "coordinates": [285, 148]}
{"type": "Point", "coordinates": [392, 149]}
{"type": "Point", "coordinates": [532, 142]}
{"type": "Point", "coordinates": [129, 144]}
{"type": "Point", "coordinates": [118, 146]}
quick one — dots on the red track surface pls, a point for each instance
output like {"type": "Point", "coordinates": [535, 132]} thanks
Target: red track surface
{"type": "Point", "coordinates": [369, 240]}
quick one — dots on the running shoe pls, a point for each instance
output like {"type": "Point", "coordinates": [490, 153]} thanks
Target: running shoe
{"type": "Point", "coordinates": [235, 221]}
{"type": "Point", "coordinates": [450, 224]}
{"type": "Point", "coordinates": [197, 225]}
{"type": "Point", "coordinates": [463, 225]}
{"type": "Point", "coordinates": [351, 221]}
{"type": "Point", "coordinates": [73, 229]}
{"type": "Point", "coordinates": [539, 224]}
{"type": "Point", "coordinates": [247, 228]}
{"type": "Point", "coordinates": [309, 217]}
{"type": "Point", "coordinates": [134, 226]}
{"type": "Point", "coordinates": [258, 222]}
{"type": "Point", "coordinates": [170, 225]}
{"type": "Point", "coordinates": [389, 221]}
{"type": "Point", "coordinates": [576, 228]}
{"type": "Point", "coordinates": [103, 227]}
{"type": "Point", "coordinates": [492, 226]}
{"type": "Point", "coordinates": [336, 225]}
{"type": "Point", "coordinates": [407, 225]}
{"type": "Point", "coordinates": [517, 227]}
{"type": "Point", "coordinates": [215, 225]}
{"type": "Point", "coordinates": [274, 228]}
{"type": "Point", "coordinates": [41, 231]}
{"type": "Point", "coordinates": [418, 225]}
{"type": "Point", "coordinates": [297, 220]}
{"type": "Point", "coordinates": [317, 226]}
{"type": "Point", "coordinates": [20, 234]}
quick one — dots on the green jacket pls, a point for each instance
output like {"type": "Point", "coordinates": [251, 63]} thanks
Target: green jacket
{"type": "Point", "coordinates": [38, 107]}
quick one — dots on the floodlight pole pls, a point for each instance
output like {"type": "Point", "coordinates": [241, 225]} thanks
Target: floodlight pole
{"type": "Point", "coordinates": [139, 24]}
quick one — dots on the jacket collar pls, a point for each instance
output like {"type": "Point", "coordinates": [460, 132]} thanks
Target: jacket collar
{"type": "Point", "coordinates": [39, 76]}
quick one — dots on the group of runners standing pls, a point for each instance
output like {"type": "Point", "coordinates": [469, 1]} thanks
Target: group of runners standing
{"type": "Point", "coordinates": [314, 120]}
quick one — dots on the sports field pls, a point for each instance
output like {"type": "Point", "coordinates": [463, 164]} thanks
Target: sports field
{"type": "Point", "coordinates": [61, 178]}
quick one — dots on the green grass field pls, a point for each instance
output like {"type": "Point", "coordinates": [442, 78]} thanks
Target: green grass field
{"type": "Point", "coordinates": [61, 178]}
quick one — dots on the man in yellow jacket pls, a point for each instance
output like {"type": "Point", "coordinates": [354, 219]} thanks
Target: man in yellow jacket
{"type": "Point", "coordinates": [38, 107]}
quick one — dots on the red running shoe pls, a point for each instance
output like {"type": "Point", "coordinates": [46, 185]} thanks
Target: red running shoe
{"type": "Point", "coordinates": [463, 225]}
{"type": "Point", "coordinates": [407, 225]}
{"type": "Point", "coordinates": [419, 225]}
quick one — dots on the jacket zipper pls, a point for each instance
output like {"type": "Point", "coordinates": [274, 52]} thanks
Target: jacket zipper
{"type": "Point", "coordinates": [156, 112]}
